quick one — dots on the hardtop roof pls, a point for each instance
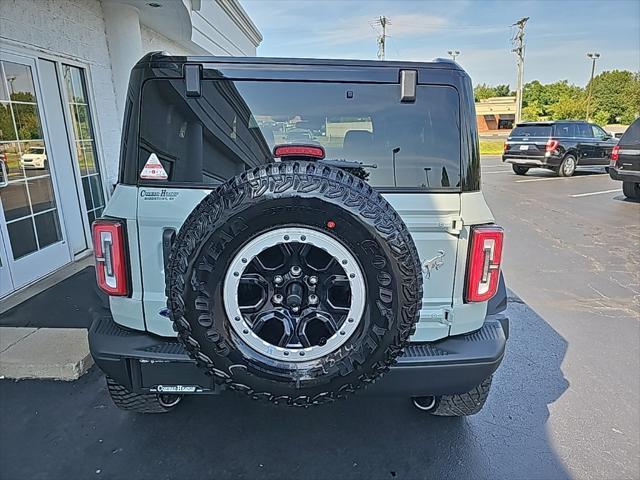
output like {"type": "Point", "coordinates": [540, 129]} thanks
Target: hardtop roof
{"type": "Point", "coordinates": [437, 63]}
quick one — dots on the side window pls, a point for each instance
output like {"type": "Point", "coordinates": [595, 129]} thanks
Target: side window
{"type": "Point", "coordinates": [567, 130]}
{"type": "Point", "coordinates": [598, 132]}
{"type": "Point", "coordinates": [584, 130]}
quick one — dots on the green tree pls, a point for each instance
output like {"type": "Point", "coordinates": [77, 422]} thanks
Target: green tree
{"type": "Point", "coordinates": [532, 112]}
{"type": "Point", "coordinates": [568, 108]}
{"type": "Point", "coordinates": [616, 93]}
{"type": "Point", "coordinates": [483, 91]}
{"type": "Point", "coordinates": [615, 98]}
{"type": "Point", "coordinates": [601, 117]}
{"type": "Point", "coordinates": [502, 91]}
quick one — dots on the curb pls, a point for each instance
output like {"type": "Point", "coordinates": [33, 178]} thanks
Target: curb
{"type": "Point", "coordinates": [44, 353]}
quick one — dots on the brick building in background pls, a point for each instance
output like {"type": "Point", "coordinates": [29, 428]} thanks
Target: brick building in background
{"type": "Point", "coordinates": [64, 68]}
{"type": "Point", "coordinates": [496, 113]}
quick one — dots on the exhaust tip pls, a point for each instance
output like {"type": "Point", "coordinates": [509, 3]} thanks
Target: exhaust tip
{"type": "Point", "coordinates": [168, 401]}
{"type": "Point", "coordinates": [424, 403]}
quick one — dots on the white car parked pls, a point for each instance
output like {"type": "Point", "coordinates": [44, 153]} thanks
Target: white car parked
{"type": "Point", "coordinates": [35, 157]}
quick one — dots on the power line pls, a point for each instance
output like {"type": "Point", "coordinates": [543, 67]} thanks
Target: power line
{"type": "Point", "coordinates": [518, 49]}
{"type": "Point", "coordinates": [382, 22]}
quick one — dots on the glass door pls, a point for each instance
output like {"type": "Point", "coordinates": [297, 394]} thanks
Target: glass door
{"type": "Point", "coordinates": [30, 223]}
{"type": "Point", "coordinates": [6, 283]}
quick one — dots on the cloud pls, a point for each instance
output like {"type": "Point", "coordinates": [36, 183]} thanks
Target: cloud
{"type": "Point", "coordinates": [290, 23]}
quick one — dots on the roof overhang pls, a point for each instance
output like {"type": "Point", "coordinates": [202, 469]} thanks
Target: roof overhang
{"type": "Point", "coordinates": [172, 19]}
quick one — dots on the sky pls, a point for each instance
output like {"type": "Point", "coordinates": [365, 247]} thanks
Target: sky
{"type": "Point", "coordinates": [558, 34]}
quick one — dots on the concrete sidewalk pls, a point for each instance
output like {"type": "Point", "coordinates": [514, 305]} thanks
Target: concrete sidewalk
{"type": "Point", "coordinates": [43, 328]}
{"type": "Point", "coordinates": [44, 353]}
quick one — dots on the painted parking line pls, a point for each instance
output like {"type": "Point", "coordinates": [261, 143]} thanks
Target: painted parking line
{"type": "Point", "coordinates": [494, 166]}
{"type": "Point", "coordinates": [595, 193]}
{"type": "Point", "coordinates": [498, 171]}
{"type": "Point", "coordinates": [562, 178]}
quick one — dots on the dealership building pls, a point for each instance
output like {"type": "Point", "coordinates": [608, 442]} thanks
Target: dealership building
{"type": "Point", "coordinates": [64, 68]}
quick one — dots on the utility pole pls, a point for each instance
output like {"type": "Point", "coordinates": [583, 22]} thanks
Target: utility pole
{"type": "Point", "coordinates": [593, 56]}
{"type": "Point", "coordinates": [454, 54]}
{"type": "Point", "coordinates": [382, 21]}
{"type": "Point", "coordinates": [518, 49]}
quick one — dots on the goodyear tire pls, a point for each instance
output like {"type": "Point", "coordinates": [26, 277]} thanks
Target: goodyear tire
{"type": "Point", "coordinates": [125, 399]}
{"type": "Point", "coordinates": [463, 404]}
{"type": "Point", "coordinates": [295, 283]}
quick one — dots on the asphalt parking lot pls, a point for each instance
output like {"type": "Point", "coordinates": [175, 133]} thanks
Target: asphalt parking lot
{"type": "Point", "coordinates": [565, 403]}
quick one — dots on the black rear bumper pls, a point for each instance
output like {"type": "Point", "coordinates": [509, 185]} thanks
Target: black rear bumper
{"type": "Point", "coordinates": [540, 161]}
{"type": "Point", "coordinates": [146, 363]}
{"type": "Point", "coordinates": [624, 175]}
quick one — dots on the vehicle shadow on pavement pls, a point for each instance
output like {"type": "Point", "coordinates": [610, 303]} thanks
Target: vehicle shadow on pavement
{"type": "Point", "coordinates": [622, 198]}
{"type": "Point", "coordinates": [544, 173]}
{"type": "Point", "coordinates": [72, 430]}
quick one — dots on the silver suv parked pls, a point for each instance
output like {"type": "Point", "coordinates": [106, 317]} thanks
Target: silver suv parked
{"type": "Point", "coordinates": [238, 254]}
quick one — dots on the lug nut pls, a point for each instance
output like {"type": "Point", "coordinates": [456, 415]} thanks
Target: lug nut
{"type": "Point", "coordinates": [313, 280]}
{"type": "Point", "coordinates": [277, 279]}
{"type": "Point", "coordinates": [277, 298]}
{"type": "Point", "coordinates": [296, 271]}
{"type": "Point", "coordinates": [313, 299]}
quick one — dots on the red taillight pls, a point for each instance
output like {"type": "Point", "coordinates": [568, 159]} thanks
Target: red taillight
{"type": "Point", "coordinates": [552, 145]}
{"type": "Point", "coordinates": [111, 261]}
{"type": "Point", "coordinates": [312, 151]}
{"type": "Point", "coordinates": [483, 268]}
{"type": "Point", "coordinates": [615, 155]}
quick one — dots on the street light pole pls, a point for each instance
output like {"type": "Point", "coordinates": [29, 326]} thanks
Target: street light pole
{"type": "Point", "coordinates": [518, 49]}
{"type": "Point", "coordinates": [454, 54]}
{"type": "Point", "coordinates": [593, 56]}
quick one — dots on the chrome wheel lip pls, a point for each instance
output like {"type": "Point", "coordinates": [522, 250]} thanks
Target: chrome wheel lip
{"type": "Point", "coordinates": [290, 235]}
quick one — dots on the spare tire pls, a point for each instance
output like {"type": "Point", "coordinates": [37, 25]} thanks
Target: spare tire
{"type": "Point", "coordinates": [294, 282]}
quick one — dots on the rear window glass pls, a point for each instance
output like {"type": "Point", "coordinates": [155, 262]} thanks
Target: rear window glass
{"type": "Point", "coordinates": [632, 134]}
{"type": "Point", "coordinates": [532, 131]}
{"type": "Point", "coordinates": [234, 125]}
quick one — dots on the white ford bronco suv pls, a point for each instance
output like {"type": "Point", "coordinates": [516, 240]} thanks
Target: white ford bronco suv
{"type": "Point", "coordinates": [298, 230]}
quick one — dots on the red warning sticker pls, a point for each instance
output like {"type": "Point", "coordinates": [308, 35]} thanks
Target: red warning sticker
{"type": "Point", "coordinates": [153, 169]}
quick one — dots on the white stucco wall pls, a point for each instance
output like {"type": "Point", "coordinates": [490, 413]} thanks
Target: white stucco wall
{"type": "Point", "coordinates": [218, 28]}
{"type": "Point", "coordinates": [74, 29]}
{"type": "Point", "coordinates": [153, 41]}
{"type": "Point", "coordinates": [79, 30]}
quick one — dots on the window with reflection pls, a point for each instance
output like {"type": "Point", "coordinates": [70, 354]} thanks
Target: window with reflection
{"type": "Point", "coordinates": [84, 140]}
{"type": "Point", "coordinates": [364, 128]}
{"type": "Point", "coordinates": [28, 199]}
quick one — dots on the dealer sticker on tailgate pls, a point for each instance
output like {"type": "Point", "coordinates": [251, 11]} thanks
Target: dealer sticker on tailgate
{"type": "Point", "coordinates": [524, 147]}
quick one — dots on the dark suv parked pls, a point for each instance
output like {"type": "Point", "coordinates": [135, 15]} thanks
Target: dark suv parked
{"type": "Point", "coordinates": [559, 146]}
{"type": "Point", "coordinates": [625, 161]}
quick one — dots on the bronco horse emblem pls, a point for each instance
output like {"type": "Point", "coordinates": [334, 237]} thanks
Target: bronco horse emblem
{"type": "Point", "coordinates": [434, 264]}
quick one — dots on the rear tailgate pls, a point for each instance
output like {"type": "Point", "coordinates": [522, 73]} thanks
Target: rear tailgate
{"type": "Point", "coordinates": [629, 158]}
{"type": "Point", "coordinates": [433, 220]}
{"type": "Point", "coordinates": [229, 125]}
{"type": "Point", "coordinates": [528, 140]}
{"type": "Point", "coordinates": [629, 149]}
{"type": "Point", "coordinates": [529, 147]}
